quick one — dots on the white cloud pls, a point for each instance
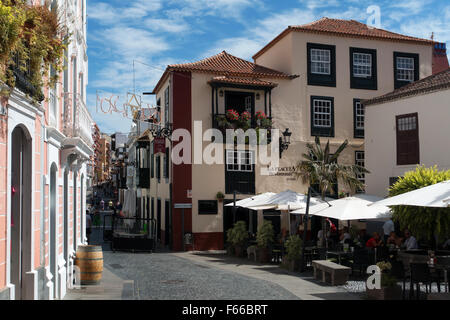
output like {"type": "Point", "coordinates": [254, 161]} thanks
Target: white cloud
{"type": "Point", "coordinates": [167, 25]}
{"type": "Point", "coordinates": [107, 14]}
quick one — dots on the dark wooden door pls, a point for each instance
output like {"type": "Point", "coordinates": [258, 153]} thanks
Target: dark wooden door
{"type": "Point", "coordinates": [408, 149]}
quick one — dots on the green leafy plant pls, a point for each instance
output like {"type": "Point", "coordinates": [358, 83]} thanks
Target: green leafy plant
{"type": "Point", "coordinates": [220, 196]}
{"type": "Point", "coordinates": [294, 247]}
{"type": "Point", "coordinates": [31, 43]}
{"type": "Point", "coordinates": [320, 167]}
{"type": "Point", "coordinates": [238, 235]}
{"type": "Point", "coordinates": [265, 234]}
{"type": "Point", "coordinates": [423, 222]}
{"type": "Point", "coordinates": [387, 280]}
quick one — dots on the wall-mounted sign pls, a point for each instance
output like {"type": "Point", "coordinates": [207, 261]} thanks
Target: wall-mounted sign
{"type": "Point", "coordinates": [130, 171]}
{"type": "Point", "coordinates": [282, 171]}
{"type": "Point", "coordinates": [189, 194]}
{"type": "Point", "coordinates": [159, 145]}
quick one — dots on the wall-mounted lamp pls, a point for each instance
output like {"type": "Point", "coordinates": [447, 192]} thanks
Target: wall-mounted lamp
{"type": "Point", "coordinates": [221, 93]}
{"type": "Point", "coordinates": [258, 96]}
{"type": "Point", "coordinates": [285, 141]}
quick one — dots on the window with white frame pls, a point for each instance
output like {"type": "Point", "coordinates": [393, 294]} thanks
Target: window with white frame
{"type": "Point", "coordinates": [405, 69]}
{"type": "Point", "coordinates": [320, 61]}
{"type": "Point", "coordinates": [240, 160]}
{"type": "Point", "coordinates": [322, 113]}
{"type": "Point", "coordinates": [359, 115]}
{"type": "Point", "coordinates": [360, 161]}
{"type": "Point", "coordinates": [362, 65]}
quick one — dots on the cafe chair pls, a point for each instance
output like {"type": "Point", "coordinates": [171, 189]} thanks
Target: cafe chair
{"type": "Point", "coordinates": [398, 271]}
{"type": "Point", "coordinates": [361, 260]}
{"type": "Point", "coordinates": [420, 273]}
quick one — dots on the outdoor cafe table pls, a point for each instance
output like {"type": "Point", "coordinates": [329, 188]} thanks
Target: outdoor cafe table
{"type": "Point", "coordinates": [340, 254]}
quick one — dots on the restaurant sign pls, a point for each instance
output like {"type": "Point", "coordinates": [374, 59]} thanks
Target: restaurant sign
{"type": "Point", "coordinates": [159, 145]}
{"type": "Point", "coordinates": [288, 172]}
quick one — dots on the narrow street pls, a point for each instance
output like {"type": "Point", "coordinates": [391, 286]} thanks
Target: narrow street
{"type": "Point", "coordinates": [190, 276]}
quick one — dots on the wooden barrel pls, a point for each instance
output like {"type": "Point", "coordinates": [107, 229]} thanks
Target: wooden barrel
{"type": "Point", "coordinates": [90, 261]}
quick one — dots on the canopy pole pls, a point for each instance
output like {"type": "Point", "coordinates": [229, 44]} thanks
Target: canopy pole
{"type": "Point", "coordinates": [305, 231]}
{"type": "Point", "coordinates": [234, 207]}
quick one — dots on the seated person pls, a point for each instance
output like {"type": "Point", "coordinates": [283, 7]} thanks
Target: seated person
{"type": "Point", "coordinates": [393, 239]}
{"type": "Point", "coordinates": [375, 241]}
{"type": "Point", "coordinates": [410, 243]}
{"type": "Point", "coordinates": [362, 238]}
{"type": "Point", "coordinates": [345, 236]}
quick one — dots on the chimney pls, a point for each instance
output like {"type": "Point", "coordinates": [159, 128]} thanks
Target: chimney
{"type": "Point", "coordinates": [440, 61]}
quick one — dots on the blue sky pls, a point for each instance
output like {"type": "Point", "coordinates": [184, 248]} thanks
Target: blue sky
{"type": "Point", "coordinates": [155, 33]}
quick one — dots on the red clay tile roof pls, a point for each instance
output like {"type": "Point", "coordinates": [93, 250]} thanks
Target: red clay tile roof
{"type": "Point", "coordinates": [244, 81]}
{"type": "Point", "coordinates": [436, 82]}
{"type": "Point", "coordinates": [225, 64]}
{"type": "Point", "coordinates": [344, 28]}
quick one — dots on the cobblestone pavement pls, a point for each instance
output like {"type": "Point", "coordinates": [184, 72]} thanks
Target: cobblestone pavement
{"type": "Point", "coordinates": [165, 276]}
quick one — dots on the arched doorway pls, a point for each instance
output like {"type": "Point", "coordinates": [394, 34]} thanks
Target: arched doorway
{"type": "Point", "coordinates": [54, 232]}
{"type": "Point", "coordinates": [21, 219]}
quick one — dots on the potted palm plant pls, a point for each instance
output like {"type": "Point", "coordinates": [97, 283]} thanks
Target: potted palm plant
{"type": "Point", "coordinates": [293, 252]}
{"type": "Point", "coordinates": [389, 290]}
{"type": "Point", "coordinates": [264, 239]}
{"type": "Point", "coordinates": [238, 236]}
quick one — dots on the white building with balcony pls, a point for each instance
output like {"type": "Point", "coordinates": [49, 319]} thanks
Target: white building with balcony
{"type": "Point", "coordinates": [48, 148]}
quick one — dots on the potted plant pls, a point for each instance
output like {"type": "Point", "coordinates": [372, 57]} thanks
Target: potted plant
{"type": "Point", "coordinates": [238, 236]}
{"type": "Point", "coordinates": [229, 245]}
{"type": "Point", "coordinates": [220, 196]}
{"type": "Point", "coordinates": [389, 290]}
{"type": "Point", "coordinates": [264, 239]}
{"type": "Point", "coordinates": [233, 117]}
{"type": "Point", "coordinates": [222, 122]}
{"type": "Point", "coordinates": [260, 116]}
{"type": "Point", "coordinates": [293, 252]}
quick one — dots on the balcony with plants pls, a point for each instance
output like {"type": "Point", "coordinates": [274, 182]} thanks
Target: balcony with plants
{"type": "Point", "coordinates": [232, 120]}
{"type": "Point", "coordinates": [30, 46]}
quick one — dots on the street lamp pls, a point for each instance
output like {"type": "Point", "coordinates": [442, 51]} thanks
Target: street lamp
{"type": "Point", "coordinates": [285, 141]}
{"type": "Point", "coordinates": [164, 132]}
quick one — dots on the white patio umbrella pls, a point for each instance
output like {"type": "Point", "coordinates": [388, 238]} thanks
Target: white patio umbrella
{"type": "Point", "coordinates": [284, 201]}
{"type": "Point", "coordinates": [248, 202]}
{"type": "Point", "coordinates": [351, 208]}
{"type": "Point", "coordinates": [436, 196]}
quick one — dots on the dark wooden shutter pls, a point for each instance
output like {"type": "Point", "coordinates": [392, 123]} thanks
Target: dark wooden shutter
{"type": "Point", "coordinates": [408, 149]}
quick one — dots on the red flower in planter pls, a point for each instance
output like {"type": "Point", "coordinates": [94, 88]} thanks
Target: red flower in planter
{"type": "Point", "coordinates": [232, 115]}
{"type": "Point", "coordinates": [245, 116]}
{"type": "Point", "coordinates": [260, 115]}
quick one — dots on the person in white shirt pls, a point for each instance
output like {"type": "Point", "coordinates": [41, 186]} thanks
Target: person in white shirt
{"type": "Point", "coordinates": [388, 227]}
{"type": "Point", "coordinates": [410, 242]}
{"type": "Point", "coordinates": [345, 235]}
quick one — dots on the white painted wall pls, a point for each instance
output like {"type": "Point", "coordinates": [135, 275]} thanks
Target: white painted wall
{"type": "Point", "coordinates": [381, 147]}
